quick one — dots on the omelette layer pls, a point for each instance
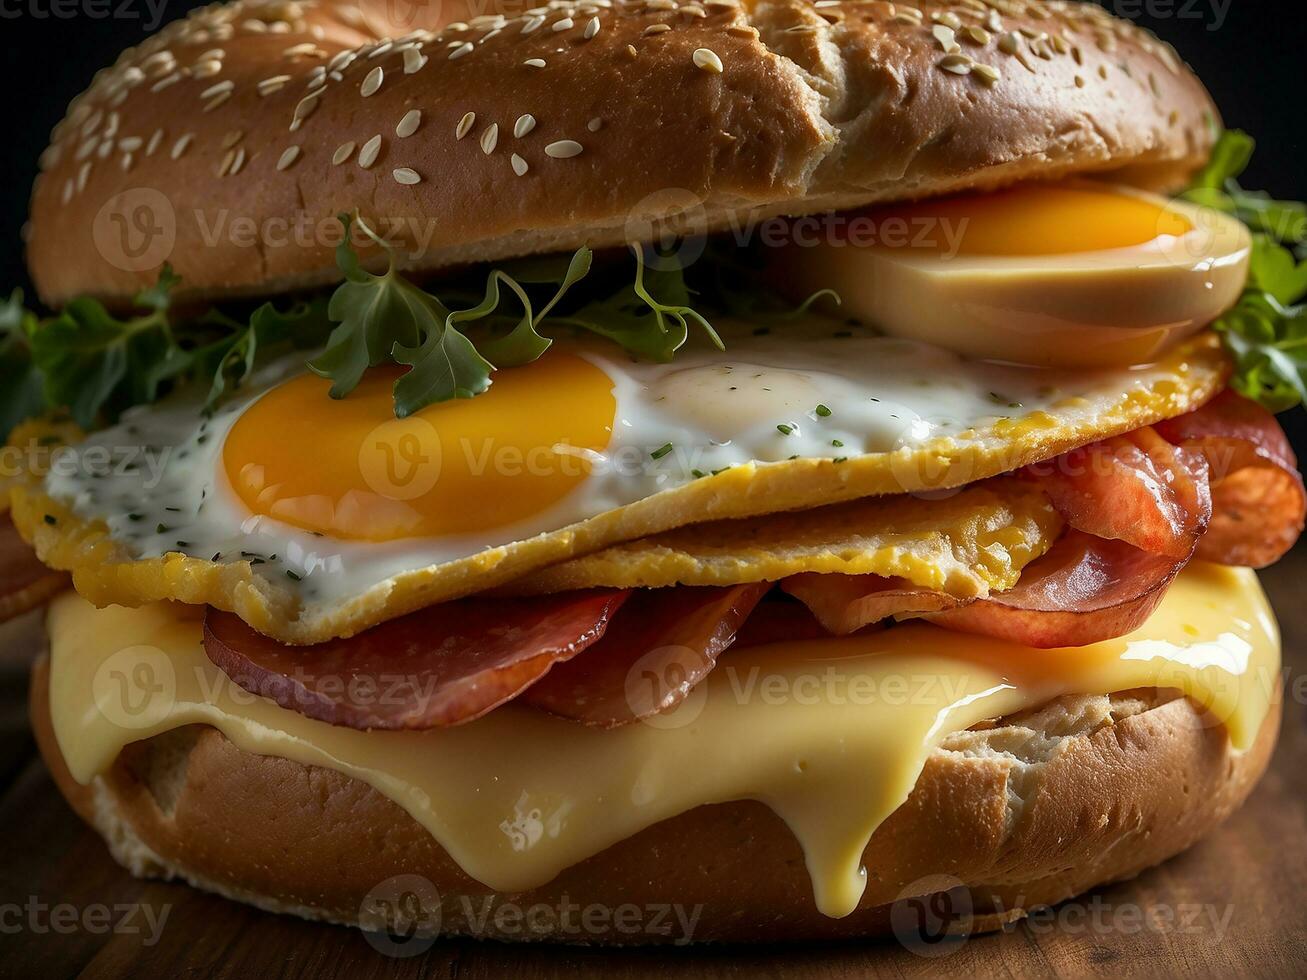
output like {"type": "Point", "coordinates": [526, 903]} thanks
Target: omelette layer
{"type": "Point", "coordinates": [73, 535]}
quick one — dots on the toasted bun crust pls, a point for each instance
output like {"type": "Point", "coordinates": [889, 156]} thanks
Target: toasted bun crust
{"type": "Point", "coordinates": [1028, 812]}
{"type": "Point", "coordinates": [211, 145]}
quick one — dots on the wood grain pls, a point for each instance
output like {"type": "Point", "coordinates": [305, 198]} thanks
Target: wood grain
{"type": "Point", "coordinates": [1244, 887]}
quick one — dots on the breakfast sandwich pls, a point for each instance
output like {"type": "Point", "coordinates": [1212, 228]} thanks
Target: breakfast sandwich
{"type": "Point", "coordinates": [773, 460]}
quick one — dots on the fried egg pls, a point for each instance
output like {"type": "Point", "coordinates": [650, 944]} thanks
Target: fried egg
{"type": "Point", "coordinates": [1080, 274]}
{"type": "Point", "coordinates": [314, 517]}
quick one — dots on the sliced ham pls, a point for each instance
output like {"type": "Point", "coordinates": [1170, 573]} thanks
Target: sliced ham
{"type": "Point", "coordinates": [446, 665]}
{"type": "Point", "coordinates": [844, 604]}
{"type": "Point", "coordinates": [664, 643]}
{"type": "Point", "coordinates": [1086, 589]}
{"type": "Point", "coordinates": [25, 583]}
{"type": "Point", "coordinates": [1258, 500]}
{"type": "Point", "coordinates": [1138, 488]}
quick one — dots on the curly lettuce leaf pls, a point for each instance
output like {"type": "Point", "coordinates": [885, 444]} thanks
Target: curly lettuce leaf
{"type": "Point", "coordinates": [22, 389]}
{"type": "Point", "coordinates": [96, 364]}
{"type": "Point", "coordinates": [1266, 332]}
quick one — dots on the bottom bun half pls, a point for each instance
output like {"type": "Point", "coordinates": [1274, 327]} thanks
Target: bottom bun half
{"type": "Point", "coordinates": [1017, 814]}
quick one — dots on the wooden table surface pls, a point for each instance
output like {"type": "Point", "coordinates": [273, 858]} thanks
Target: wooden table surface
{"type": "Point", "coordinates": [1234, 906]}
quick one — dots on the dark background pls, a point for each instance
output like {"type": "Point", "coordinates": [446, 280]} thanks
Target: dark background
{"type": "Point", "coordinates": [1251, 53]}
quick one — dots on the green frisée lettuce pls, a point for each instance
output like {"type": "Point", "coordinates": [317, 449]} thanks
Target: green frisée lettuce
{"type": "Point", "coordinates": [1266, 332]}
{"type": "Point", "coordinates": [93, 364]}
{"type": "Point", "coordinates": [388, 319]}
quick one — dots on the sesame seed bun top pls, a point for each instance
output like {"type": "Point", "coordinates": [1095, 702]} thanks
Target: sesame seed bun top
{"type": "Point", "coordinates": [227, 143]}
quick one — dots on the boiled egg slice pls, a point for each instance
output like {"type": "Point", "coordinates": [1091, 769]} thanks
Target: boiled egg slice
{"type": "Point", "coordinates": [1072, 275]}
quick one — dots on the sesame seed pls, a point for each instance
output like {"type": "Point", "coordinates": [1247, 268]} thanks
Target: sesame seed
{"type": "Point", "coordinates": [565, 24]}
{"type": "Point", "coordinates": [404, 175]}
{"type": "Point", "coordinates": [372, 82]}
{"type": "Point", "coordinates": [534, 62]}
{"type": "Point", "coordinates": [595, 124]}
{"type": "Point", "coordinates": [525, 123]}
{"type": "Point", "coordinates": [153, 145]}
{"type": "Point", "coordinates": [490, 139]}
{"type": "Point", "coordinates": [414, 60]}
{"type": "Point", "coordinates": [533, 23]}
{"type": "Point", "coordinates": [216, 101]}
{"type": "Point", "coordinates": [371, 149]}
{"type": "Point", "coordinates": [707, 60]}
{"type": "Point", "coordinates": [180, 146]}
{"type": "Point", "coordinates": [631, 52]}
{"type": "Point", "coordinates": [563, 149]}
{"type": "Point", "coordinates": [220, 88]}
{"type": "Point", "coordinates": [167, 80]}
{"type": "Point", "coordinates": [128, 159]}
{"type": "Point", "coordinates": [82, 175]}
{"type": "Point", "coordinates": [343, 153]}
{"type": "Point", "coordinates": [519, 165]}
{"type": "Point", "coordinates": [273, 84]}
{"type": "Point", "coordinates": [463, 49]}
{"type": "Point", "coordinates": [653, 29]}
{"type": "Point", "coordinates": [288, 158]}
{"type": "Point", "coordinates": [591, 28]}
{"type": "Point", "coordinates": [409, 124]}
{"type": "Point", "coordinates": [946, 38]}
{"type": "Point", "coordinates": [987, 73]}
{"type": "Point", "coordinates": [465, 125]}
{"type": "Point", "coordinates": [205, 69]}
{"type": "Point", "coordinates": [958, 64]}
{"type": "Point", "coordinates": [130, 144]}
{"type": "Point", "coordinates": [1010, 43]}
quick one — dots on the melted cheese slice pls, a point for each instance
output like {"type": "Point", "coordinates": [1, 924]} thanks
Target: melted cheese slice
{"type": "Point", "coordinates": [831, 735]}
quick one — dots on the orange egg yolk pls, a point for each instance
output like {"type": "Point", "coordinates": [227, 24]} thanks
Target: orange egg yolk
{"type": "Point", "coordinates": [1033, 220]}
{"type": "Point", "coordinates": [349, 469]}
